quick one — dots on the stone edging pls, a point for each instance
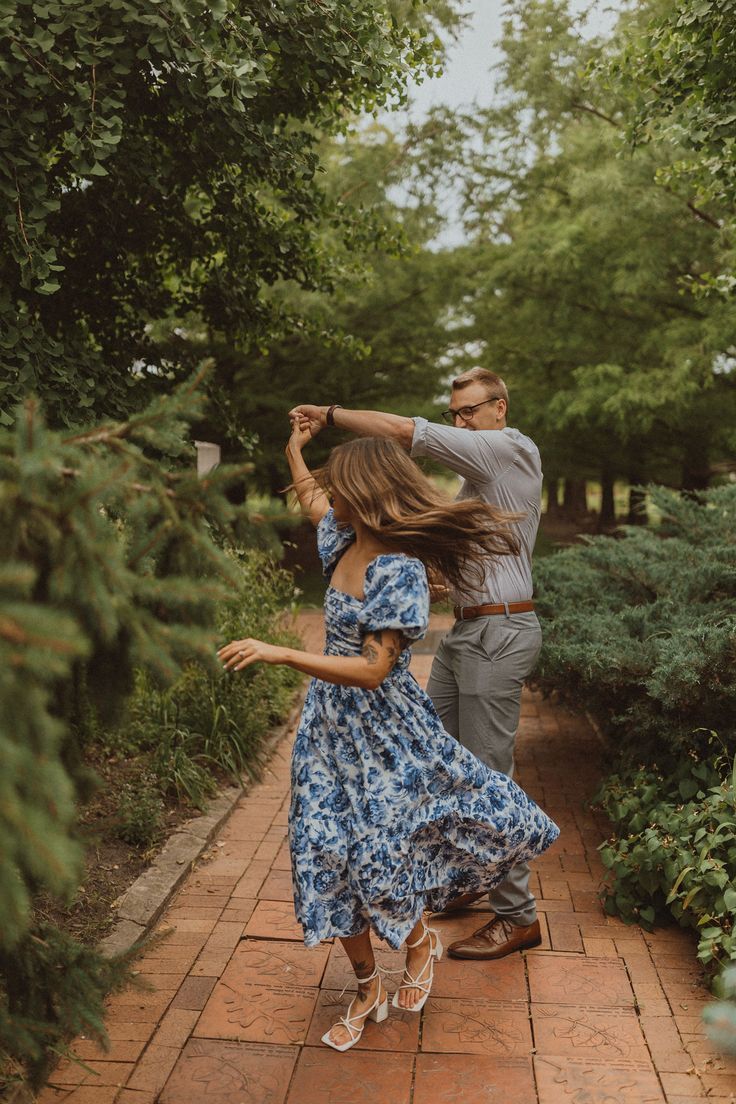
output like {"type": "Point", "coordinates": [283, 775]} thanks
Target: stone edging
{"type": "Point", "coordinates": [146, 899]}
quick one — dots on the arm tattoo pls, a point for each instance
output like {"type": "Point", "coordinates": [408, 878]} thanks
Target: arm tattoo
{"type": "Point", "coordinates": [370, 649]}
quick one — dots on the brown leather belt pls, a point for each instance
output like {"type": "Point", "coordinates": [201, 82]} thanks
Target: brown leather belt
{"type": "Point", "coordinates": [467, 613]}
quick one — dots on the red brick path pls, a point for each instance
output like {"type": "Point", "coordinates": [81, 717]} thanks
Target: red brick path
{"type": "Point", "coordinates": [601, 1013]}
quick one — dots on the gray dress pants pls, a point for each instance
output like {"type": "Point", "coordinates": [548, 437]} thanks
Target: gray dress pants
{"type": "Point", "coordinates": [475, 685]}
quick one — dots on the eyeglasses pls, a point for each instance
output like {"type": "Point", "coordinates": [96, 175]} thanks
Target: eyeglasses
{"type": "Point", "coordinates": [465, 412]}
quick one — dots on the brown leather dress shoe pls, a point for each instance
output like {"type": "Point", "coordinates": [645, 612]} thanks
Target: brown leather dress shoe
{"type": "Point", "coordinates": [496, 939]}
{"type": "Point", "coordinates": [457, 903]}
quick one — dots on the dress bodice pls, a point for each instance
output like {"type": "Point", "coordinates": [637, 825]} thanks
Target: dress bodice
{"type": "Point", "coordinates": [396, 596]}
{"type": "Point", "coordinates": [344, 632]}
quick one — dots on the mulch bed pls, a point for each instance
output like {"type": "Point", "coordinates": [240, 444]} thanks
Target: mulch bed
{"type": "Point", "coordinates": [111, 865]}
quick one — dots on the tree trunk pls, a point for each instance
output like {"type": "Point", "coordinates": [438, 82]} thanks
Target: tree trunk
{"type": "Point", "coordinates": [637, 514]}
{"type": "Point", "coordinates": [553, 502]}
{"type": "Point", "coordinates": [695, 465]}
{"type": "Point", "coordinates": [607, 517]}
{"type": "Point", "coordinates": [276, 481]}
{"type": "Point", "coordinates": [575, 499]}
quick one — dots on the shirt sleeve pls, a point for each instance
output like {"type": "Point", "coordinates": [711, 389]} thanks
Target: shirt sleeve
{"type": "Point", "coordinates": [396, 596]}
{"type": "Point", "coordinates": [332, 540]}
{"type": "Point", "coordinates": [480, 455]}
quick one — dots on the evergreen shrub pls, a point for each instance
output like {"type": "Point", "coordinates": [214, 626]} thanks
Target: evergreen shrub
{"type": "Point", "coordinates": [52, 987]}
{"type": "Point", "coordinates": [640, 629]}
{"type": "Point", "coordinates": [112, 562]}
{"type": "Point", "coordinates": [208, 721]}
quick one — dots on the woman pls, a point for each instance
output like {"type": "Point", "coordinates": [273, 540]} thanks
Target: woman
{"type": "Point", "coordinates": [389, 814]}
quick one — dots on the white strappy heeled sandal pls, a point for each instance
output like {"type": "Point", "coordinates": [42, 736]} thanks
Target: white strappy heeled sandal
{"type": "Point", "coordinates": [377, 1012]}
{"type": "Point", "coordinates": [421, 982]}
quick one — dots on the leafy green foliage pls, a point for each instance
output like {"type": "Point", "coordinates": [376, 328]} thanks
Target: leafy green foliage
{"type": "Point", "coordinates": [675, 848]}
{"type": "Point", "coordinates": [161, 161]}
{"type": "Point", "coordinates": [573, 274]}
{"type": "Point", "coordinates": [641, 629]}
{"type": "Point", "coordinates": [683, 66]}
{"type": "Point", "coordinates": [209, 722]}
{"type": "Point", "coordinates": [140, 811]}
{"type": "Point", "coordinates": [91, 602]}
{"type": "Point", "coordinates": [85, 599]}
{"type": "Point", "coordinates": [676, 67]}
{"type": "Point", "coordinates": [720, 1018]}
{"type": "Point", "coordinates": [180, 768]}
{"type": "Point", "coordinates": [393, 308]}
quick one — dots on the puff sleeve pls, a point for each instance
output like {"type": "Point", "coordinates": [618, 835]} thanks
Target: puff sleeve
{"type": "Point", "coordinates": [332, 540]}
{"type": "Point", "coordinates": [396, 596]}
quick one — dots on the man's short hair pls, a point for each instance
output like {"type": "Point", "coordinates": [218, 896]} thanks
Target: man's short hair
{"type": "Point", "coordinates": [493, 384]}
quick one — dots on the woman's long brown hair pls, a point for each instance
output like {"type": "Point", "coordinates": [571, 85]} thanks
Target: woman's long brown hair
{"type": "Point", "coordinates": [396, 501]}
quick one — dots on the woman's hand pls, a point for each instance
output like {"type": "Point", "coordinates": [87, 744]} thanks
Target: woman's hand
{"type": "Point", "coordinates": [302, 431]}
{"type": "Point", "coordinates": [239, 654]}
{"type": "Point", "coordinates": [312, 499]}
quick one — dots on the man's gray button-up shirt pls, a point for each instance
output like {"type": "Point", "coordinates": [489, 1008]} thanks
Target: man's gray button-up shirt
{"type": "Point", "coordinates": [502, 467]}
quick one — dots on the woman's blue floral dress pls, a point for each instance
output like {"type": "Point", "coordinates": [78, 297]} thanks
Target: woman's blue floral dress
{"type": "Point", "coordinates": [389, 813]}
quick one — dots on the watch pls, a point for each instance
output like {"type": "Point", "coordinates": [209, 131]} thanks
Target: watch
{"type": "Point", "coordinates": [330, 415]}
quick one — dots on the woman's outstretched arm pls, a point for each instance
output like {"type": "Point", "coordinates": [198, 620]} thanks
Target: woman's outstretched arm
{"type": "Point", "coordinates": [312, 499]}
{"type": "Point", "coordinates": [378, 655]}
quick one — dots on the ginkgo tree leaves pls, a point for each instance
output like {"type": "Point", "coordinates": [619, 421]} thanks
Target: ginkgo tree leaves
{"type": "Point", "coordinates": [161, 158]}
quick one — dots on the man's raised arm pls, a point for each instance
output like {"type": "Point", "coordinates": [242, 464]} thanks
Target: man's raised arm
{"type": "Point", "coordinates": [364, 423]}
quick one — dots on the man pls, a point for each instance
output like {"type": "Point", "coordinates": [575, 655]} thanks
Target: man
{"type": "Point", "coordinates": [480, 667]}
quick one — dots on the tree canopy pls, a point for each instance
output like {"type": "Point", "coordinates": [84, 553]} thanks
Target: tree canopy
{"type": "Point", "coordinates": [579, 262]}
{"type": "Point", "coordinates": [162, 159]}
{"type": "Point", "coordinates": [683, 66]}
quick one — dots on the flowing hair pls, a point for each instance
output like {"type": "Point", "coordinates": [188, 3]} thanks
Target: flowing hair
{"type": "Point", "coordinates": [397, 502]}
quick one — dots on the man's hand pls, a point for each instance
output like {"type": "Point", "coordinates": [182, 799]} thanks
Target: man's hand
{"type": "Point", "coordinates": [312, 416]}
{"type": "Point", "coordinates": [438, 592]}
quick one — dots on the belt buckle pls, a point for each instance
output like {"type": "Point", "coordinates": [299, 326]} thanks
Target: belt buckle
{"type": "Point", "coordinates": [462, 612]}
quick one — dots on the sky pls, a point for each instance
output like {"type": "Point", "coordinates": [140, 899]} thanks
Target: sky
{"type": "Point", "coordinates": [467, 76]}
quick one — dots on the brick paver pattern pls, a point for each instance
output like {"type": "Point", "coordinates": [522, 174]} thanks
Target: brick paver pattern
{"type": "Point", "coordinates": [235, 1006]}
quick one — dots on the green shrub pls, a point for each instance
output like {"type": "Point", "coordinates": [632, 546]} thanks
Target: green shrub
{"type": "Point", "coordinates": [53, 988]}
{"type": "Point", "coordinates": [140, 811]}
{"type": "Point", "coordinates": [675, 848]}
{"type": "Point", "coordinates": [720, 1018]}
{"type": "Point", "coordinates": [210, 721]}
{"type": "Point", "coordinates": [641, 629]}
{"type": "Point", "coordinates": [180, 769]}
{"type": "Point", "coordinates": [109, 565]}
